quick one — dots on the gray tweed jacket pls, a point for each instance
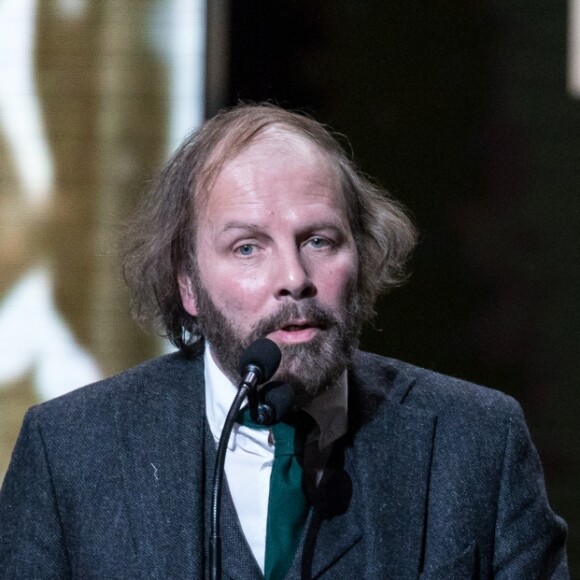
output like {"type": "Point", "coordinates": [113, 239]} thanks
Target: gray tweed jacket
{"type": "Point", "coordinates": [437, 478]}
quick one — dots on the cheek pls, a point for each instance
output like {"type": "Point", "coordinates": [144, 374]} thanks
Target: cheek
{"type": "Point", "coordinates": [336, 284]}
{"type": "Point", "coordinates": [252, 285]}
{"type": "Point", "coordinates": [235, 292]}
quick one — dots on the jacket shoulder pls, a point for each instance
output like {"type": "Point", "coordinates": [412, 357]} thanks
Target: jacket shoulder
{"type": "Point", "coordinates": [167, 376]}
{"type": "Point", "coordinates": [427, 389]}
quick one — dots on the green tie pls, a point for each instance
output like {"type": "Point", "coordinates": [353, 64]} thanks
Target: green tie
{"type": "Point", "coordinates": [287, 504]}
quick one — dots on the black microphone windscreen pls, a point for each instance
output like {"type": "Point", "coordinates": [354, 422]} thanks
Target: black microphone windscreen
{"type": "Point", "coordinates": [279, 397]}
{"type": "Point", "coordinates": [263, 353]}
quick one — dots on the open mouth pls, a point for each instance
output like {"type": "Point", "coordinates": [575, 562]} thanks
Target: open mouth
{"type": "Point", "coordinates": [295, 332]}
{"type": "Point", "coordinates": [296, 327]}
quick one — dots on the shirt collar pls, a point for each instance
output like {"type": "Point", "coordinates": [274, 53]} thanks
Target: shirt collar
{"type": "Point", "coordinates": [329, 409]}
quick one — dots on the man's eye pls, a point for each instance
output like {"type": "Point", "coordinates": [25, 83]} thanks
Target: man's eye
{"type": "Point", "coordinates": [245, 250]}
{"type": "Point", "coordinates": [318, 242]}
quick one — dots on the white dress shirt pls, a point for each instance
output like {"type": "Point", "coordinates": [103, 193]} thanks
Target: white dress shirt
{"type": "Point", "coordinates": [248, 461]}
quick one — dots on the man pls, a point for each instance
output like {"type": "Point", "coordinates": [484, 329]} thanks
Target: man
{"type": "Point", "coordinates": [261, 227]}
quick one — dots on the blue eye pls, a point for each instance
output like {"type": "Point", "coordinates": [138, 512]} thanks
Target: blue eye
{"type": "Point", "coordinates": [318, 242]}
{"type": "Point", "coordinates": [246, 250]}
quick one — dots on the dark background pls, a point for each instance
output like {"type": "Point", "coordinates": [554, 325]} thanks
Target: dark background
{"type": "Point", "coordinates": [460, 109]}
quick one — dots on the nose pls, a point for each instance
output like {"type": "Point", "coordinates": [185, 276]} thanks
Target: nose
{"type": "Point", "coordinates": [293, 279]}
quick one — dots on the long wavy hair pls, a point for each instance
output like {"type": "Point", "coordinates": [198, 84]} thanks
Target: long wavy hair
{"type": "Point", "coordinates": [159, 242]}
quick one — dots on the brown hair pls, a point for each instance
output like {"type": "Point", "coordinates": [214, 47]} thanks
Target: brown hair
{"type": "Point", "coordinates": [159, 243]}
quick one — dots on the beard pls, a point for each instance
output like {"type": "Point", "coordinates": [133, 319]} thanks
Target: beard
{"type": "Point", "coordinates": [310, 367]}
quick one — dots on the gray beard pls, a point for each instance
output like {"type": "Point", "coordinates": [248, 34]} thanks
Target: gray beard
{"type": "Point", "coordinates": [311, 367]}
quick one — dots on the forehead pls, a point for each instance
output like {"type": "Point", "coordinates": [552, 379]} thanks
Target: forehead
{"type": "Point", "coordinates": [277, 161]}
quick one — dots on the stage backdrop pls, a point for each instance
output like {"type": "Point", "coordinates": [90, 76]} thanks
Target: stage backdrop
{"type": "Point", "coordinates": [93, 96]}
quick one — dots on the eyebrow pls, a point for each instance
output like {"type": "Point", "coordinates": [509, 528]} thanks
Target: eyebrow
{"type": "Point", "coordinates": [239, 225]}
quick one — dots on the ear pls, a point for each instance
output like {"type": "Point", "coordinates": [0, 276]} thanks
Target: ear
{"type": "Point", "coordinates": [187, 294]}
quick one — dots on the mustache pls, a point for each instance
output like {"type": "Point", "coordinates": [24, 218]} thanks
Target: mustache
{"type": "Point", "coordinates": [308, 310]}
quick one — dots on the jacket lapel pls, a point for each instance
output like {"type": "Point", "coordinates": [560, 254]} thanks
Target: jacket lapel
{"type": "Point", "coordinates": [161, 452]}
{"type": "Point", "coordinates": [387, 459]}
{"type": "Point", "coordinates": [391, 463]}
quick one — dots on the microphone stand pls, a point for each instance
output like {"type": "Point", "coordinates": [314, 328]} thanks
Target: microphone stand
{"type": "Point", "coordinates": [218, 476]}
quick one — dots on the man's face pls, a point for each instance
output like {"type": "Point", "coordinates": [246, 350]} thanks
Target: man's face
{"type": "Point", "coordinates": [276, 257]}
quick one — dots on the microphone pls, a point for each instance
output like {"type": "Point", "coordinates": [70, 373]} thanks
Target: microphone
{"type": "Point", "coordinates": [259, 362]}
{"type": "Point", "coordinates": [274, 400]}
